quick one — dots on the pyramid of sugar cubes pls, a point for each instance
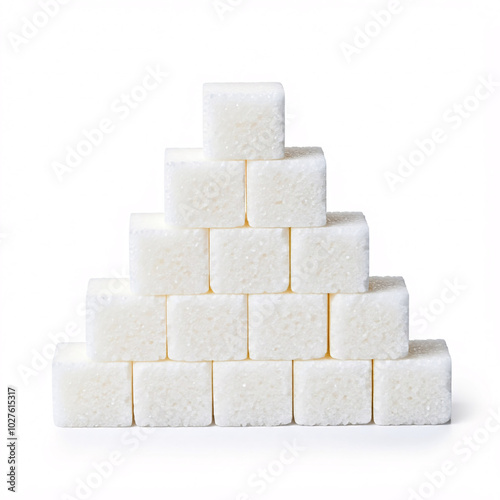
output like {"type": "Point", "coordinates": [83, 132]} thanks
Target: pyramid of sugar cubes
{"type": "Point", "coordinates": [248, 304]}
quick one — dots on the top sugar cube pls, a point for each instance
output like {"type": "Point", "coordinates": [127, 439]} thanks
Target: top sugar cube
{"type": "Point", "coordinates": [243, 121]}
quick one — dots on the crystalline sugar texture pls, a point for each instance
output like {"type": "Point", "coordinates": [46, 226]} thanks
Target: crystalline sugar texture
{"type": "Point", "coordinates": [287, 326]}
{"type": "Point", "coordinates": [333, 258]}
{"type": "Point", "coordinates": [252, 393]}
{"type": "Point", "coordinates": [203, 193]}
{"type": "Point", "coordinates": [372, 325]}
{"type": "Point", "coordinates": [90, 394]}
{"type": "Point", "coordinates": [288, 193]}
{"type": "Point", "coordinates": [166, 260]}
{"type": "Point", "coordinates": [243, 121]}
{"type": "Point", "coordinates": [249, 260]}
{"type": "Point", "coordinates": [332, 392]}
{"type": "Point", "coordinates": [415, 389]}
{"type": "Point", "coordinates": [121, 326]}
{"type": "Point", "coordinates": [207, 327]}
{"type": "Point", "coordinates": [172, 394]}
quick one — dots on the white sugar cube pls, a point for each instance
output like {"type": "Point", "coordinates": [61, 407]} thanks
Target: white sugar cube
{"type": "Point", "coordinates": [165, 260]}
{"type": "Point", "coordinates": [250, 392]}
{"type": "Point", "coordinates": [90, 394]}
{"type": "Point", "coordinates": [172, 394]}
{"type": "Point", "coordinates": [249, 260]}
{"type": "Point", "coordinates": [287, 326]}
{"type": "Point", "coordinates": [207, 327]}
{"type": "Point", "coordinates": [416, 389]}
{"type": "Point", "coordinates": [243, 121]}
{"type": "Point", "coordinates": [121, 326]}
{"type": "Point", "coordinates": [332, 392]}
{"type": "Point", "coordinates": [372, 325]}
{"type": "Point", "coordinates": [201, 192]}
{"type": "Point", "coordinates": [288, 193]}
{"type": "Point", "coordinates": [333, 258]}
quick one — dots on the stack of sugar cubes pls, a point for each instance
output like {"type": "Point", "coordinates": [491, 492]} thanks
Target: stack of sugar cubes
{"type": "Point", "coordinates": [248, 303]}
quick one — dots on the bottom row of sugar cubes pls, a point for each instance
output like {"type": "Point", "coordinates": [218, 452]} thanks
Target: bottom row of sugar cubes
{"type": "Point", "coordinates": [412, 390]}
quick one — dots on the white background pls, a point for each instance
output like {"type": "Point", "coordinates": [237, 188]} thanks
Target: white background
{"type": "Point", "coordinates": [438, 226]}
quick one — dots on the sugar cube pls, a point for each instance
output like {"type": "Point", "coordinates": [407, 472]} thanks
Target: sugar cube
{"type": "Point", "coordinates": [243, 121]}
{"type": "Point", "coordinates": [172, 394]}
{"type": "Point", "coordinates": [122, 326]}
{"type": "Point", "coordinates": [165, 260]}
{"type": "Point", "coordinates": [207, 327]}
{"type": "Point", "coordinates": [332, 392]}
{"type": "Point", "coordinates": [89, 394]}
{"type": "Point", "coordinates": [201, 192]}
{"type": "Point", "coordinates": [288, 193]}
{"type": "Point", "coordinates": [287, 326]}
{"type": "Point", "coordinates": [252, 393]}
{"type": "Point", "coordinates": [249, 260]}
{"type": "Point", "coordinates": [372, 325]}
{"type": "Point", "coordinates": [333, 258]}
{"type": "Point", "coordinates": [415, 389]}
